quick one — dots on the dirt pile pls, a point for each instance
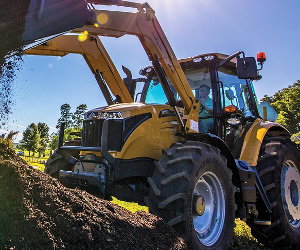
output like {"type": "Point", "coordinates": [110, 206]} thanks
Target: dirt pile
{"type": "Point", "coordinates": [37, 212]}
{"type": "Point", "coordinates": [12, 20]}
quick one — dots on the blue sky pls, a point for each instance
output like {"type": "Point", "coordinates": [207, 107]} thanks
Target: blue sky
{"type": "Point", "coordinates": [192, 27]}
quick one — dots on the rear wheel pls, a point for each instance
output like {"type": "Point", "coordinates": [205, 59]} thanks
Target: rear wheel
{"type": "Point", "coordinates": [279, 170]}
{"type": "Point", "coordinates": [191, 189]}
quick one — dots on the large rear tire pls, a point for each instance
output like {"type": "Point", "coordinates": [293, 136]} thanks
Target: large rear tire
{"type": "Point", "coordinates": [279, 170]}
{"type": "Point", "coordinates": [191, 189]}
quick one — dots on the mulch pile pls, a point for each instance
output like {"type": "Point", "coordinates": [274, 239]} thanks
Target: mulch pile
{"type": "Point", "coordinates": [37, 212]}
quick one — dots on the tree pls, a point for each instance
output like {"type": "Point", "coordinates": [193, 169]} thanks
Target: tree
{"type": "Point", "coordinates": [66, 116]}
{"type": "Point", "coordinates": [286, 102]}
{"type": "Point", "coordinates": [73, 123]}
{"type": "Point", "coordinates": [31, 139]}
{"type": "Point", "coordinates": [296, 138]}
{"type": "Point", "coordinates": [78, 116]}
{"type": "Point", "coordinates": [67, 137]}
{"type": "Point", "coordinates": [44, 137]}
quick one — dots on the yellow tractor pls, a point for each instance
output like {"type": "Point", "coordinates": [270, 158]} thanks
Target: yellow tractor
{"type": "Point", "coordinates": [191, 145]}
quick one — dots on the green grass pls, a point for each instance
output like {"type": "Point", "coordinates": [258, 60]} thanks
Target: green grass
{"type": "Point", "coordinates": [37, 166]}
{"type": "Point", "coordinates": [36, 161]}
{"type": "Point", "coordinates": [131, 206]}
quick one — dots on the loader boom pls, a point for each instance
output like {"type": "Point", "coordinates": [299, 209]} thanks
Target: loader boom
{"type": "Point", "coordinates": [96, 57]}
{"type": "Point", "coordinates": [146, 27]}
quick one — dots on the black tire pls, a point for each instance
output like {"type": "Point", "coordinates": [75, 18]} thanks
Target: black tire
{"type": "Point", "coordinates": [57, 161]}
{"type": "Point", "coordinates": [172, 186]}
{"type": "Point", "coordinates": [271, 168]}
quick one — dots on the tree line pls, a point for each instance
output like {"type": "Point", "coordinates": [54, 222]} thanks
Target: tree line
{"type": "Point", "coordinates": [36, 138]}
{"type": "Point", "coordinates": [286, 102]}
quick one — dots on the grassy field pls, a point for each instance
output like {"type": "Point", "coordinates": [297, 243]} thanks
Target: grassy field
{"type": "Point", "coordinates": [242, 234]}
{"type": "Point", "coordinates": [35, 161]}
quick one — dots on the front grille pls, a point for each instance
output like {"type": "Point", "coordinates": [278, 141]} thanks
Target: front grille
{"type": "Point", "coordinates": [118, 131]}
{"type": "Point", "coordinates": [92, 131]}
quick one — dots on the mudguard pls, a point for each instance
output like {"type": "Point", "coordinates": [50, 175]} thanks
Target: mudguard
{"type": "Point", "coordinates": [255, 136]}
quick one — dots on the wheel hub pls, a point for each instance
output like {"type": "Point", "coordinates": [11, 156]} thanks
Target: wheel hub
{"type": "Point", "coordinates": [290, 186]}
{"type": "Point", "coordinates": [199, 205]}
{"type": "Point", "coordinates": [209, 208]}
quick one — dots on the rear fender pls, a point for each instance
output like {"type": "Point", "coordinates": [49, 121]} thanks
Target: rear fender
{"type": "Point", "coordinates": [255, 136]}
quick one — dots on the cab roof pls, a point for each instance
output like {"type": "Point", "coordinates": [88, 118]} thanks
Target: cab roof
{"type": "Point", "coordinates": [200, 61]}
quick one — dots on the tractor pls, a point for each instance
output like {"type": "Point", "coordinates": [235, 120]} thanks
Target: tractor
{"type": "Point", "coordinates": [185, 138]}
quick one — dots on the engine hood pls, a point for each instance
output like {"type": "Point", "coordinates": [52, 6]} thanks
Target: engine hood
{"type": "Point", "coordinates": [126, 109]}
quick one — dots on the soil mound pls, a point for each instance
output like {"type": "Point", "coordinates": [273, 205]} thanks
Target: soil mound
{"type": "Point", "coordinates": [37, 212]}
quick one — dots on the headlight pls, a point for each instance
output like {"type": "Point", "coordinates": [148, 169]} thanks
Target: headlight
{"type": "Point", "coordinates": [197, 59]}
{"type": "Point", "coordinates": [209, 58]}
{"type": "Point", "coordinates": [234, 121]}
{"type": "Point", "coordinates": [91, 115]}
{"type": "Point", "coordinates": [110, 115]}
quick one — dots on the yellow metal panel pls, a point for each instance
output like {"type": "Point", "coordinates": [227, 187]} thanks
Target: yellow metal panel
{"type": "Point", "coordinates": [254, 139]}
{"type": "Point", "coordinates": [149, 138]}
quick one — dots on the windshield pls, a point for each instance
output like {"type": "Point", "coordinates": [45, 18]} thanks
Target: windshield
{"type": "Point", "coordinates": [155, 93]}
{"type": "Point", "coordinates": [237, 92]}
{"type": "Point", "coordinates": [196, 78]}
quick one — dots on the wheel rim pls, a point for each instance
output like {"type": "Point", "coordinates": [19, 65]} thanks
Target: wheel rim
{"type": "Point", "coordinates": [290, 192]}
{"type": "Point", "coordinates": [209, 225]}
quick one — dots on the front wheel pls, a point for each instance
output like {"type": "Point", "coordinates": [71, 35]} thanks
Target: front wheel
{"type": "Point", "coordinates": [57, 161]}
{"type": "Point", "coordinates": [191, 189]}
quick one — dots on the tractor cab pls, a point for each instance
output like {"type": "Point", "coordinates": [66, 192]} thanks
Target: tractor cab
{"type": "Point", "coordinates": [228, 103]}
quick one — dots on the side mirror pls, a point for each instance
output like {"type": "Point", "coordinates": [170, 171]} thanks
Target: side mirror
{"type": "Point", "coordinates": [246, 68]}
{"type": "Point", "coordinates": [229, 94]}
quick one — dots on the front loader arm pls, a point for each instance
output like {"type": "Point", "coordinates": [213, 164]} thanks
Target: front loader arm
{"type": "Point", "coordinates": [142, 24]}
{"type": "Point", "coordinates": [146, 27]}
{"type": "Point", "coordinates": [96, 57]}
